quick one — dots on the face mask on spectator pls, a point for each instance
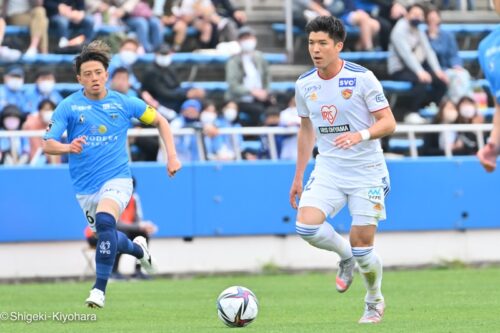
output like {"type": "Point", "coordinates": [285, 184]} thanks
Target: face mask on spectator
{"type": "Point", "coordinates": [207, 117]}
{"type": "Point", "coordinates": [450, 116]}
{"type": "Point", "coordinates": [46, 115]}
{"type": "Point", "coordinates": [230, 114]}
{"type": "Point", "coordinates": [248, 45]}
{"type": "Point", "coordinates": [14, 83]}
{"type": "Point", "coordinates": [11, 123]}
{"type": "Point", "coordinates": [46, 86]}
{"type": "Point", "coordinates": [163, 60]}
{"type": "Point", "coordinates": [128, 57]}
{"type": "Point", "coordinates": [467, 111]}
{"type": "Point", "coordinates": [415, 22]}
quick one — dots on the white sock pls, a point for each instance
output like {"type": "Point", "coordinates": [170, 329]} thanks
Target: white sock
{"type": "Point", "coordinates": [370, 267]}
{"type": "Point", "coordinates": [325, 237]}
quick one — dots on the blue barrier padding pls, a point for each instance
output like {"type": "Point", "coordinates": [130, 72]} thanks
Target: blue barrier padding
{"type": "Point", "coordinates": [179, 58]}
{"type": "Point", "coordinates": [230, 199]}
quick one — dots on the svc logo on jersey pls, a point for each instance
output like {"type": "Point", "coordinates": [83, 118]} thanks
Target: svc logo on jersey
{"type": "Point", "coordinates": [329, 113]}
{"type": "Point", "coordinates": [347, 82]}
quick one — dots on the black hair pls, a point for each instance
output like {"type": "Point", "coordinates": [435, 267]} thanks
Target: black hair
{"type": "Point", "coordinates": [330, 24]}
{"type": "Point", "coordinates": [98, 50]}
{"type": "Point", "coordinates": [410, 7]}
{"type": "Point", "coordinates": [45, 101]}
{"type": "Point", "coordinates": [43, 72]}
{"type": "Point", "coordinates": [120, 70]}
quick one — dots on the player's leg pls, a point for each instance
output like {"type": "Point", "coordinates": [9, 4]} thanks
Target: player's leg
{"type": "Point", "coordinates": [317, 201]}
{"type": "Point", "coordinates": [367, 208]}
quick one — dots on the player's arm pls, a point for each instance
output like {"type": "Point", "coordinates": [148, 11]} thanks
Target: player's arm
{"type": "Point", "coordinates": [54, 147]}
{"type": "Point", "coordinates": [488, 154]}
{"type": "Point", "coordinates": [153, 118]}
{"type": "Point", "coordinates": [305, 144]}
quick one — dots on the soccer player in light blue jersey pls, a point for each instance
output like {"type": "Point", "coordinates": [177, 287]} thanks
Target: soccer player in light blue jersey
{"type": "Point", "coordinates": [489, 59]}
{"type": "Point", "coordinates": [96, 120]}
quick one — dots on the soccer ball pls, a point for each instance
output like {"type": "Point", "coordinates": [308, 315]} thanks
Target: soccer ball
{"type": "Point", "coordinates": [237, 306]}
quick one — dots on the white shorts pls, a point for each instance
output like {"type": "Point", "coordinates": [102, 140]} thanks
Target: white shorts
{"type": "Point", "coordinates": [322, 193]}
{"type": "Point", "coordinates": [119, 189]}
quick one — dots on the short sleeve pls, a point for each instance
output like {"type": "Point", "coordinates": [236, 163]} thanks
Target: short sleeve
{"type": "Point", "coordinates": [373, 93]}
{"type": "Point", "coordinates": [59, 122]}
{"type": "Point", "coordinates": [302, 109]}
{"type": "Point", "coordinates": [140, 110]}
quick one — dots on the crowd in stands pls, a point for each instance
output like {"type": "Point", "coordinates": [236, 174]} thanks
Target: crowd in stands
{"type": "Point", "coordinates": [428, 58]}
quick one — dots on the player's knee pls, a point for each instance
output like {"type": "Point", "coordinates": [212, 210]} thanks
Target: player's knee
{"type": "Point", "coordinates": [306, 231]}
{"type": "Point", "coordinates": [105, 222]}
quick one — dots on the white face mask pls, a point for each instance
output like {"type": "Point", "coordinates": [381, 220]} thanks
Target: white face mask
{"type": "Point", "coordinates": [207, 117]}
{"type": "Point", "coordinates": [14, 83]}
{"type": "Point", "coordinates": [11, 123]}
{"type": "Point", "coordinates": [467, 111]}
{"type": "Point", "coordinates": [46, 86]}
{"type": "Point", "coordinates": [230, 114]}
{"type": "Point", "coordinates": [163, 60]}
{"type": "Point", "coordinates": [46, 116]}
{"type": "Point", "coordinates": [248, 45]}
{"type": "Point", "coordinates": [128, 57]}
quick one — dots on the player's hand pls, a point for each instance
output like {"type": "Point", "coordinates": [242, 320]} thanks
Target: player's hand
{"type": "Point", "coordinates": [173, 165]}
{"type": "Point", "coordinates": [295, 192]}
{"type": "Point", "coordinates": [347, 140]}
{"type": "Point", "coordinates": [488, 157]}
{"type": "Point", "coordinates": [76, 146]}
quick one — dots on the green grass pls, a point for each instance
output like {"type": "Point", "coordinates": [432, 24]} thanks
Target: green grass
{"type": "Point", "coordinates": [446, 300]}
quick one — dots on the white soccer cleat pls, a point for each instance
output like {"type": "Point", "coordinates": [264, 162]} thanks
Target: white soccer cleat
{"type": "Point", "coordinates": [345, 274]}
{"type": "Point", "coordinates": [96, 299]}
{"type": "Point", "coordinates": [147, 261]}
{"type": "Point", "coordinates": [374, 312]}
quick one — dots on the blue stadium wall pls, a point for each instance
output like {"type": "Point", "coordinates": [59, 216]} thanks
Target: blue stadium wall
{"type": "Point", "coordinates": [230, 199]}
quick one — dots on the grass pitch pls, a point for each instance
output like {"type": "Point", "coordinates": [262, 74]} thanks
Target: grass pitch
{"type": "Point", "coordinates": [435, 300]}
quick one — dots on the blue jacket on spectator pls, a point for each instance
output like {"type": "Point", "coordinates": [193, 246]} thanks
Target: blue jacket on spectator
{"type": "Point", "coordinates": [17, 98]}
{"type": "Point", "coordinates": [446, 49]}
{"type": "Point", "coordinates": [34, 96]}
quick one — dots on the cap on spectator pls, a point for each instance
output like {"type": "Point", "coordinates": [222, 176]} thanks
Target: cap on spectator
{"type": "Point", "coordinates": [15, 71]}
{"type": "Point", "coordinates": [245, 31]}
{"type": "Point", "coordinates": [164, 49]}
{"type": "Point", "coordinates": [11, 110]}
{"type": "Point", "coordinates": [191, 103]}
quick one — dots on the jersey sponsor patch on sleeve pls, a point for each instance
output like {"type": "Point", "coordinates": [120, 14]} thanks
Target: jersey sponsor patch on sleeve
{"type": "Point", "coordinates": [149, 115]}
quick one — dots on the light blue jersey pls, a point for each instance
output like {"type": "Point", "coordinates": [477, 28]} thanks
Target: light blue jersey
{"type": "Point", "coordinates": [104, 123]}
{"type": "Point", "coordinates": [489, 59]}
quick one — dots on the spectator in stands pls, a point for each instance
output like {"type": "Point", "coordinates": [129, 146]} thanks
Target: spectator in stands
{"type": "Point", "coordinates": [271, 119]}
{"type": "Point", "coordinates": [7, 54]}
{"type": "Point", "coordinates": [212, 140]}
{"type": "Point", "coordinates": [248, 77]}
{"type": "Point", "coordinates": [186, 145]}
{"type": "Point", "coordinates": [39, 121]}
{"type": "Point", "coordinates": [228, 20]}
{"type": "Point", "coordinates": [228, 118]}
{"type": "Point", "coordinates": [139, 17]}
{"type": "Point", "coordinates": [72, 26]}
{"type": "Point", "coordinates": [445, 46]}
{"type": "Point", "coordinates": [120, 82]}
{"type": "Point", "coordinates": [368, 26]}
{"type": "Point", "coordinates": [44, 89]}
{"type": "Point", "coordinates": [305, 10]}
{"type": "Point", "coordinates": [467, 114]}
{"type": "Point", "coordinates": [289, 118]}
{"type": "Point", "coordinates": [435, 143]}
{"type": "Point", "coordinates": [30, 13]}
{"type": "Point", "coordinates": [126, 58]}
{"type": "Point", "coordinates": [162, 82]}
{"type": "Point", "coordinates": [197, 13]}
{"type": "Point", "coordinates": [13, 150]}
{"type": "Point", "coordinates": [411, 58]}
{"type": "Point", "coordinates": [12, 92]}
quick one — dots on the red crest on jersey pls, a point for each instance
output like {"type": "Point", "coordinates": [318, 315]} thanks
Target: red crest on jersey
{"type": "Point", "coordinates": [347, 93]}
{"type": "Point", "coordinates": [329, 113]}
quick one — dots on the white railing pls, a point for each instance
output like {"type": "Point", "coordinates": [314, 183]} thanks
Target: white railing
{"type": "Point", "coordinates": [411, 132]}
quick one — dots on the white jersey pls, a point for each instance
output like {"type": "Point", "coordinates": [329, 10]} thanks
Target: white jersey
{"type": "Point", "coordinates": [342, 104]}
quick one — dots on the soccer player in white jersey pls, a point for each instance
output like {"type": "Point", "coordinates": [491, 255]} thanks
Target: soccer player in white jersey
{"type": "Point", "coordinates": [343, 108]}
{"type": "Point", "coordinates": [96, 120]}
